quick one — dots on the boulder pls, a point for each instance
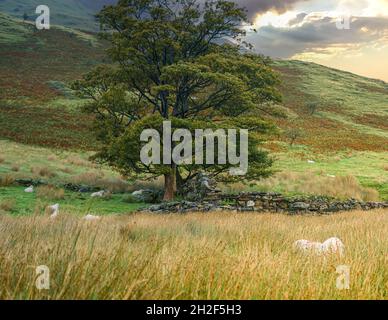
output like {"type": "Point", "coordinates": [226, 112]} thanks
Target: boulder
{"type": "Point", "coordinates": [147, 196]}
{"type": "Point", "coordinates": [300, 206]}
{"type": "Point", "coordinates": [202, 187]}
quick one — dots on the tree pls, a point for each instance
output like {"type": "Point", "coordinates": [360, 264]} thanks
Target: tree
{"type": "Point", "coordinates": [177, 60]}
{"type": "Point", "coordinates": [293, 134]}
{"type": "Point", "coordinates": [312, 107]}
{"type": "Point", "coordinates": [25, 16]}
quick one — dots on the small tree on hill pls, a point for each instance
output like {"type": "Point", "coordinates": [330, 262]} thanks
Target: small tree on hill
{"type": "Point", "coordinates": [172, 62]}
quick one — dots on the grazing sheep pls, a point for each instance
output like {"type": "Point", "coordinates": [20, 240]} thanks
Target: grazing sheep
{"type": "Point", "coordinates": [330, 246]}
{"type": "Point", "coordinates": [333, 245]}
{"type": "Point", "coordinates": [90, 217]}
{"type": "Point", "coordinates": [310, 161]}
{"type": "Point", "coordinates": [99, 194]}
{"type": "Point", "coordinates": [30, 189]}
{"type": "Point", "coordinates": [331, 176]}
{"type": "Point", "coordinates": [54, 211]}
{"type": "Point", "coordinates": [306, 245]}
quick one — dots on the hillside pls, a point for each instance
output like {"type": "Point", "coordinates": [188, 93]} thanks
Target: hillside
{"type": "Point", "coordinates": [350, 111]}
{"type": "Point", "coordinates": [346, 132]}
{"type": "Point", "coordinates": [77, 14]}
{"type": "Point", "coordinates": [35, 67]}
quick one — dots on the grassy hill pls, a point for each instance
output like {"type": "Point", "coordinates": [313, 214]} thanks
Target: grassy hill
{"type": "Point", "coordinates": [35, 65]}
{"type": "Point", "coordinates": [342, 118]}
{"type": "Point", "coordinates": [77, 14]}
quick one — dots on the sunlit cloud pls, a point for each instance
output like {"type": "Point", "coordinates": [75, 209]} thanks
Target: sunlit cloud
{"type": "Point", "coordinates": [308, 30]}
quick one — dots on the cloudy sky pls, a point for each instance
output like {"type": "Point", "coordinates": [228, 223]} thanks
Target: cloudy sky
{"type": "Point", "coordinates": [317, 31]}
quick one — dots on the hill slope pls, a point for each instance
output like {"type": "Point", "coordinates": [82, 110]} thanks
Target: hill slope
{"type": "Point", "coordinates": [350, 111]}
{"type": "Point", "coordinates": [35, 105]}
{"type": "Point", "coordinates": [71, 13]}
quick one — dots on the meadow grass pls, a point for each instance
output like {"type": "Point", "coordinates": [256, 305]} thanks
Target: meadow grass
{"type": "Point", "coordinates": [82, 203]}
{"type": "Point", "coordinates": [367, 167]}
{"type": "Point", "coordinates": [193, 256]}
{"type": "Point", "coordinates": [57, 166]}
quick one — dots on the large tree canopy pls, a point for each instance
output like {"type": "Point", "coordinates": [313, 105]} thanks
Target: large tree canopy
{"type": "Point", "coordinates": [183, 61]}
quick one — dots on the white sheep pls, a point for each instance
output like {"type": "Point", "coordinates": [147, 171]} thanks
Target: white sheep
{"type": "Point", "coordinates": [333, 245]}
{"type": "Point", "coordinates": [99, 194]}
{"type": "Point", "coordinates": [310, 161]}
{"type": "Point", "coordinates": [30, 189]}
{"type": "Point", "coordinates": [91, 217]}
{"type": "Point", "coordinates": [330, 246]}
{"type": "Point", "coordinates": [54, 211]}
{"type": "Point", "coordinates": [306, 245]}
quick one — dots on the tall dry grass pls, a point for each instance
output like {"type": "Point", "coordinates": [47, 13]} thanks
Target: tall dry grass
{"type": "Point", "coordinates": [7, 180]}
{"type": "Point", "coordinates": [43, 171]}
{"type": "Point", "coordinates": [196, 256]}
{"type": "Point", "coordinates": [97, 179]}
{"type": "Point", "coordinates": [311, 183]}
{"type": "Point", "coordinates": [7, 205]}
{"type": "Point", "coordinates": [50, 192]}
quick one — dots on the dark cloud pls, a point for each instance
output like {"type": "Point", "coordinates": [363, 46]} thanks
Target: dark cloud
{"type": "Point", "coordinates": [298, 19]}
{"type": "Point", "coordinates": [255, 7]}
{"type": "Point", "coordinates": [317, 34]}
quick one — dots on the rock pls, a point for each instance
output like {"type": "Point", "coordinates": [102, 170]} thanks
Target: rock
{"type": "Point", "coordinates": [30, 189]}
{"type": "Point", "coordinates": [99, 194]}
{"type": "Point", "coordinates": [250, 204]}
{"type": "Point", "coordinates": [147, 196]}
{"type": "Point", "coordinates": [265, 202]}
{"type": "Point", "coordinates": [155, 208]}
{"type": "Point", "coordinates": [300, 206]}
{"type": "Point", "coordinates": [201, 188]}
{"type": "Point", "coordinates": [84, 189]}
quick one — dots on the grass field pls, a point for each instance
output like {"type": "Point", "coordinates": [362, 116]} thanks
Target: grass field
{"type": "Point", "coordinates": [194, 256]}
{"type": "Point", "coordinates": [22, 203]}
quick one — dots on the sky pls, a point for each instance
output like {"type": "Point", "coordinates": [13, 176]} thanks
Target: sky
{"type": "Point", "coordinates": [350, 35]}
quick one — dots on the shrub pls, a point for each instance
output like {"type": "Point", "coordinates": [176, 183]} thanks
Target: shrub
{"type": "Point", "coordinates": [41, 208]}
{"type": "Point", "coordinates": [7, 180]}
{"type": "Point", "coordinates": [7, 205]}
{"type": "Point", "coordinates": [1, 159]}
{"type": "Point", "coordinates": [312, 107]}
{"type": "Point", "coordinates": [15, 167]}
{"type": "Point", "coordinates": [66, 170]}
{"type": "Point", "coordinates": [43, 172]}
{"type": "Point", "coordinates": [50, 192]}
{"type": "Point", "coordinates": [369, 194]}
{"type": "Point", "coordinates": [78, 161]}
{"type": "Point", "coordinates": [52, 157]}
{"type": "Point", "coordinates": [293, 134]}
{"type": "Point", "coordinates": [114, 185]}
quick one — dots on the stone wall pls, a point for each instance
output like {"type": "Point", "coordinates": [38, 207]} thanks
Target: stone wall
{"type": "Point", "coordinates": [267, 202]}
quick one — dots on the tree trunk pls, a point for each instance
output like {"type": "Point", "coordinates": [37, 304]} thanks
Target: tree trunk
{"type": "Point", "coordinates": [170, 185]}
{"type": "Point", "coordinates": [179, 181]}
